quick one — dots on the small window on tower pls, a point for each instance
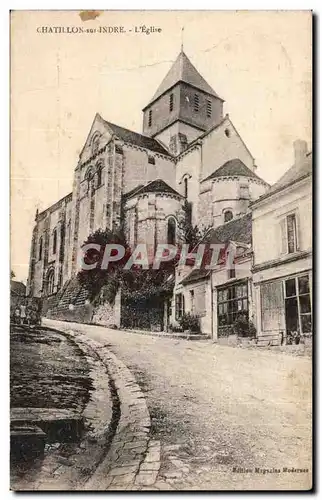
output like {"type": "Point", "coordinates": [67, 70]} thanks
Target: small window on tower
{"type": "Point", "coordinates": [209, 110]}
{"type": "Point", "coordinates": [171, 103]}
{"type": "Point", "coordinates": [150, 117]}
{"type": "Point", "coordinates": [228, 215]}
{"type": "Point", "coordinates": [151, 160]}
{"type": "Point", "coordinates": [54, 241]}
{"type": "Point", "coordinates": [186, 187]}
{"type": "Point", "coordinates": [196, 103]}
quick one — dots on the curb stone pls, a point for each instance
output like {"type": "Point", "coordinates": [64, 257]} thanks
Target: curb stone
{"type": "Point", "coordinates": [133, 459]}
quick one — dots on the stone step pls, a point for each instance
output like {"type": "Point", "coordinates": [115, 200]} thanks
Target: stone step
{"type": "Point", "coordinates": [26, 442]}
{"type": "Point", "coordinates": [63, 425]}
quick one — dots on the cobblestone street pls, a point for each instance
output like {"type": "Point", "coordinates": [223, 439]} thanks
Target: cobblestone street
{"type": "Point", "coordinates": [215, 409]}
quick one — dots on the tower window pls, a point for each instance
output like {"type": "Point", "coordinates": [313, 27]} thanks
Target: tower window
{"type": "Point", "coordinates": [228, 215]}
{"type": "Point", "coordinates": [227, 132]}
{"type": "Point", "coordinates": [186, 187]}
{"type": "Point", "coordinates": [151, 160]}
{"type": "Point", "coordinates": [171, 103]}
{"type": "Point", "coordinates": [54, 241]}
{"type": "Point", "coordinates": [40, 248]}
{"type": "Point", "coordinates": [196, 102]}
{"type": "Point", "coordinates": [150, 117]}
{"type": "Point", "coordinates": [209, 110]}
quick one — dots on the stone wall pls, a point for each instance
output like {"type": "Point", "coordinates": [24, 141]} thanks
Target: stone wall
{"type": "Point", "coordinates": [107, 314]}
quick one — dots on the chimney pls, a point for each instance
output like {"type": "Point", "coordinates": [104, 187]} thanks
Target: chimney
{"type": "Point", "coordinates": [300, 151]}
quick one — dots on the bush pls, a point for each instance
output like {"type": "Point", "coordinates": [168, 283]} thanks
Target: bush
{"type": "Point", "coordinates": [190, 322]}
{"type": "Point", "coordinates": [175, 329]}
{"type": "Point", "coordinates": [293, 338]}
{"type": "Point", "coordinates": [244, 328]}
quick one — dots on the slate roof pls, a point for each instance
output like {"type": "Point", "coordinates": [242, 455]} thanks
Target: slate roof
{"type": "Point", "coordinates": [297, 172]}
{"type": "Point", "coordinates": [183, 70]}
{"type": "Point", "coordinates": [233, 167]}
{"type": "Point", "coordinates": [196, 275]}
{"type": "Point", "coordinates": [137, 139]}
{"type": "Point", "coordinates": [239, 229]}
{"type": "Point", "coordinates": [157, 186]}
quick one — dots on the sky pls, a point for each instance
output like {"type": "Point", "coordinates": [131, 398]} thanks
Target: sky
{"type": "Point", "coordinates": [258, 61]}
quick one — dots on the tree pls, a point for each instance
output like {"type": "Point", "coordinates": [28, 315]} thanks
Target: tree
{"type": "Point", "coordinates": [191, 234]}
{"type": "Point", "coordinates": [136, 283]}
{"type": "Point", "coordinates": [12, 275]}
{"type": "Point", "coordinates": [95, 279]}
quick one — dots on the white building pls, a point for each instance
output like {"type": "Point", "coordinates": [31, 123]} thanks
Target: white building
{"type": "Point", "coordinates": [282, 248]}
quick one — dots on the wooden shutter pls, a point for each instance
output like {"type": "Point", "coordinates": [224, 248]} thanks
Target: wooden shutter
{"type": "Point", "coordinates": [272, 307]}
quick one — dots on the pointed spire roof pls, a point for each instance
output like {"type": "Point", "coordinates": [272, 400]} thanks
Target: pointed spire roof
{"type": "Point", "coordinates": [183, 70]}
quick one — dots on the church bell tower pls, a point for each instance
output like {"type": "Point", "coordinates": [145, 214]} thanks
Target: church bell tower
{"type": "Point", "coordinates": [183, 107]}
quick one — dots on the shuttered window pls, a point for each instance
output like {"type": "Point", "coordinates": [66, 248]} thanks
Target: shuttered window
{"type": "Point", "coordinates": [171, 103]}
{"type": "Point", "coordinates": [209, 110]}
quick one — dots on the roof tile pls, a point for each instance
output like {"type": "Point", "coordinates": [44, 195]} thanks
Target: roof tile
{"type": "Point", "coordinates": [234, 167]}
{"type": "Point", "coordinates": [137, 139]}
{"type": "Point", "coordinates": [183, 70]}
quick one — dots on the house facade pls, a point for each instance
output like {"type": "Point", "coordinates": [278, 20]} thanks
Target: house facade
{"type": "Point", "coordinates": [220, 294]}
{"type": "Point", "coordinates": [282, 249]}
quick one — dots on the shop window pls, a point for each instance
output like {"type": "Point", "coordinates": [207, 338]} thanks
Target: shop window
{"type": "Point", "coordinates": [232, 301]}
{"type": "Point", "coordinates": [298, 305]}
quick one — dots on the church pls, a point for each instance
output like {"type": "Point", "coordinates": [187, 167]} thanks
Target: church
{"type": "Point", "coordinates": [188, 154]}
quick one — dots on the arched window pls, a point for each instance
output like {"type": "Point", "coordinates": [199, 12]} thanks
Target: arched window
{"type": "Point", "coordinates": [54, 241]}
{"type": "Point", "coordinates": [171, 233]}
{"type": "Point", "coordinates": [68, 231]}
{"type": "Point", "coordinates": [228, 215]}
{"type": "Point", "coordinates": [40, 248]}
{"type": "Point", "coordinates": [88, 177]}
{"type": "Point", "coordinates": [50, 282]}
{"type": "Point", "coordinates": [95, 142]}
{"type": "Point", "coordinates": [185, 183]}
{"type": "Point", "coordinates": [99, 175]}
